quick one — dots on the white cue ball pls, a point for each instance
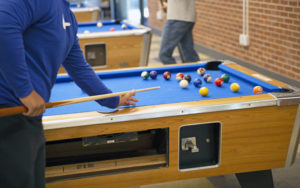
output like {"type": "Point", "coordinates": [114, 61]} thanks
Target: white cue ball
{"type": "Point", "coordinates": [183, 83]}
{"type": "Point", "coordinates": [99, 24]}
{"type": "Point", "coordinates": [124, 26]}
{"type": "Point", "coordinates": [86, 31]}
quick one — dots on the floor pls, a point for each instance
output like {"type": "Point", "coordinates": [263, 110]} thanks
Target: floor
{"type": "Point", "coordinates": [283, 178]}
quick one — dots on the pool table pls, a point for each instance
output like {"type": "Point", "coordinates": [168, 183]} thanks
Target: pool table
{"type": "Point", "coordinates": [85, 12]}
{"type": "Point", "coordinates": [172, 133]}
{"type": "Point", "coordinates": [121, 48]}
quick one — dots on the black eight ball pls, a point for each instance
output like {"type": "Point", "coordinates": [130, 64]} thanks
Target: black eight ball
{"type": "Point", "coordinates": [187, 77]}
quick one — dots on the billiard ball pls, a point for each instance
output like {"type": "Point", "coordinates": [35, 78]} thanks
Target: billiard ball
{"type": "Point", "coordinates": [225, 77]}
{"type": "Point", "coordinates": [78, 5]}
{"type": "Point", "coordinates": [153, 74]}
{"type": "Point", "coordinates": [167, 75]}
{"type": "Point", "coordinates": [187, 77]}
{"type": "Point", "coordinates": [207, 77]}
{"type": "Point", "coordinates": [235, 87]}
{"type": "Point", "coordinates": [183, 83]}
{"type": "Point", "coordinates": [257, 89]}
{"type": "Point", "coordinates": [145, 75]}
{"type": "Point", "coordinates": [99, 24]}
{"type": "Point", "coordinates": [203, 91]}
{"type": "Point", "coordinates": [112, 29]}
{"type": "Point", "coordinates": [124, 26]}
{"type": "Point", "coordinates": [197, 82]}
{"type": "Point", "coordinates": [86, 31]}
{"type": "Point", "coordinates": [219, 82]}
{"type": "Point", "coordinates": [179, 76]}
{"type": "Point", "coordinates": [201, 71]}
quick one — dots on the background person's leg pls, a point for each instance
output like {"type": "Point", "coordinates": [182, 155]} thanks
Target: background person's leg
{"type": "Point", "coordinates": [186, 45]}
{"type": "Point", "coordinates": [172, 33]}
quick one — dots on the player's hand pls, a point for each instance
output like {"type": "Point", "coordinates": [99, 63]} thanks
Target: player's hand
{"type": "Point", "coordinates": [34, 103]}
{"type": "Point", "coordinates": [164, 6]}
{"type": "Point", "coordinates": [128, 99]}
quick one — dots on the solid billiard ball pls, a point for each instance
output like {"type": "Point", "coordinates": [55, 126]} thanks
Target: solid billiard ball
{"type": "Point", "coordinates": [183, 83]}
{"type": "Point", "coordinates": [124, 26]}
{"type": "Point", "coordinates": [201, 71]}
{"type": "Point", "coordinates": [203, 91]}
{"type": "Point", "coordinates": [112, 29]}
{"type": "Point", "coordinates": [86, 31]}
{"type": "Point", "coordinates": [145, 75]}
{"type": "Point", "coordinates": [99, 24]}
{"type": "Point", "coordinates": [257, 89]}
{"type": "Point", "coordinates": [235, 87]}
{"type": "Point", "coordinates": [153, 74]}
{"type": "Point", "coordinates": [197, 82]}
{"type": "Point", "coordinates": [179, 76]}
{"type": "Point", "coordinates": [219, 82]}
{"type": "Point", "coordinates": [187, 77]}
{"type": "Point", "coordinates": [207, 77]}
{"type": "Point", "coordinates": [167, 75]}
{"type": "Point", "coordinates": [225, 77]}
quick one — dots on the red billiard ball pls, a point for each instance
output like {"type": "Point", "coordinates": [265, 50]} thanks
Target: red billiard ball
{"type": "Point", "coordinates": [179, 76]}
{"type": "Point", "coordinates": [112, 29]}
{"type": "Point", "coordinates": [167, 75]}
{"type": "Point", "coordinates": [219, 82]}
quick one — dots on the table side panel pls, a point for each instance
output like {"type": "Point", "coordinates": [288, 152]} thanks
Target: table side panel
{"type": "Point", "coordinates": [252, 139]}
{"type": "Point", "coordinates": [119, 49]}
{"type": "Point", "coordinates": [87, 16]}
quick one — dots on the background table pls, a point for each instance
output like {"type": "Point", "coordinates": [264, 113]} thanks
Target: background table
{"type": "Point", "coordinates": [85, 12]}
{"type": "Point", "coordinates": [122, 48]}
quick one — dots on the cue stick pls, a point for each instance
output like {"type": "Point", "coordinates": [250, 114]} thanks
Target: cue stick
{"type": "Point", "coordinates": [20, 109]}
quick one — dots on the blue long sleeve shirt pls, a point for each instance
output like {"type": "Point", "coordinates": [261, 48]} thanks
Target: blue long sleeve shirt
{"type": "Point", "coordinates": [36, 38]}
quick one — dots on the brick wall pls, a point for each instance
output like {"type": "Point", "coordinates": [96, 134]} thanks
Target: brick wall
{"type": "Point", "coordinates": [274, 30]}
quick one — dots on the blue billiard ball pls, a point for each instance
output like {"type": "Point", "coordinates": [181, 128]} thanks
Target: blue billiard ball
{"type": "Point", "coordinates": [207, 77]}
{"type": "Point", "coordinates": [153, 74]}
{"type": "Point", "coordinates": [197, 82]}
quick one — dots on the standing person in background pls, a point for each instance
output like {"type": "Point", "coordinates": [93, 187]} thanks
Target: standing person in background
{"type": "Point", "coordinates": [36, 38]}
{"type": "Point", "coordinates": [178, 30]}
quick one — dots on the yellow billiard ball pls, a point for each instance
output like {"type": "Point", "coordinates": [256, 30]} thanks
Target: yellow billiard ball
{"type": "Point", "coordinates": [203, 91]}
{"type": "Point", "coordinates": [235, 87]}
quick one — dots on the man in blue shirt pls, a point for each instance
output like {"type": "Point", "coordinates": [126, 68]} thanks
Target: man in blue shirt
{"type": "Point", "coordinates": [36, 38]}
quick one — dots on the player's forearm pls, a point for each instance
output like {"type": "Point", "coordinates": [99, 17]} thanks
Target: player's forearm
{"type": "Point", "coordinates": [85, 77]}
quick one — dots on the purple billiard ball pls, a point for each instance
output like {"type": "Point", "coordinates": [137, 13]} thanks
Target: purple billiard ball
{"type": "Point", "coordinates": [207, 77]}
{"type": "Point", "coordinates": [197, 82]}
{"type": "Point", "coordinates": [153, 74]}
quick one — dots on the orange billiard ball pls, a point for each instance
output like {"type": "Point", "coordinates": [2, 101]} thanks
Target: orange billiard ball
{"type": "Point", "coordinates": [257, 89]}
{"type": "Point", "coordinates": [112, 29]}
